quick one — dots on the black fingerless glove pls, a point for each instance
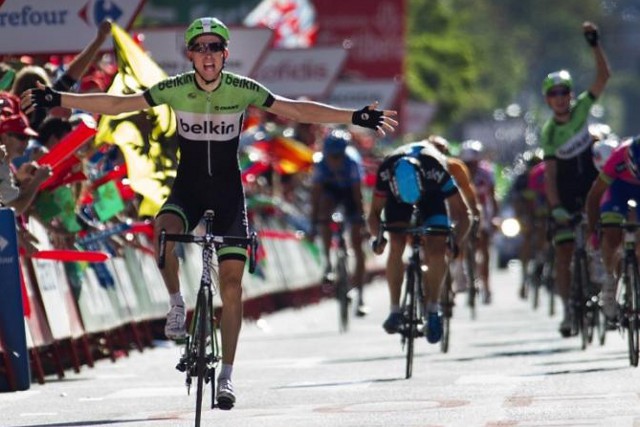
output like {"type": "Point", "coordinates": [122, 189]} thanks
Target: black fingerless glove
{"type": "Point", "coordinates": [45, 98]}
{"type": "Point", "coordinates": [592, 37]}
{"type": "Point", "coordinates": [367, 118]}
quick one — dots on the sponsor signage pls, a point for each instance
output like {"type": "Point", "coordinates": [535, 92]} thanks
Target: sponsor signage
{"type": "Point", "coordinates": [166, 47]}
{"type": "Point", "coordinates": [301, 72]}
{"type": "Point", "coordinates": [61, 26]}
{"type": "Point", "coordinates": [374, 35]}
{"type": "Point", "coordinates": [361, 93]}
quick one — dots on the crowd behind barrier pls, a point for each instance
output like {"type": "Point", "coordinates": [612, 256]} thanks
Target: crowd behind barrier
{"type": "Point", "coordinates": [71, 317]}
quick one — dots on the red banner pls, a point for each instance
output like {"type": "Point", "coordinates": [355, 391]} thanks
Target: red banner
{"type": "Point", "coordinates": [372, 31]}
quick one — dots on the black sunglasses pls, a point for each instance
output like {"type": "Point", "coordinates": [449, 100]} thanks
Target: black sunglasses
{"type": "Point", "coordinates": [558, 92]}
{"type": "Point", "coordinates": [207, 47]}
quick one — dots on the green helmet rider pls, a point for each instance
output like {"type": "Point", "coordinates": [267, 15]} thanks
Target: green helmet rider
{"type": "Point", "coordinates": [206, 26]}
{"type": "Point", "coordinates": [556, 78]}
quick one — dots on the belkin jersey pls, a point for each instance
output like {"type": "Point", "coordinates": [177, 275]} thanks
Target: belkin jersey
{"type": "Point", "coordinates": [209, 123]}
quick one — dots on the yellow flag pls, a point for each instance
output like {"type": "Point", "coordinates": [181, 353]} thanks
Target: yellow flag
{"type": "Point", "coordinates": [147, 138]}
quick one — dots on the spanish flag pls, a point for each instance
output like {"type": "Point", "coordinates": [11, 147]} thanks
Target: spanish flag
{"type": "Point", "coordinates": [147, 138]}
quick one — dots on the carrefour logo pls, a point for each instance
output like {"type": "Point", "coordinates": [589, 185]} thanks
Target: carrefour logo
{"type": "Point", "coordinates": [92, 13]}
{"type": "Point", "coordinates": [97, 11]}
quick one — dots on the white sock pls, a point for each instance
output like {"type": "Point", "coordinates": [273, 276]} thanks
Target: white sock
{"type": "Point", "coordinates": [395, 309]}
{"type": "Point", "coordinates": [176, 299]}
{"type": "Point", "coordinates": [225, 372]}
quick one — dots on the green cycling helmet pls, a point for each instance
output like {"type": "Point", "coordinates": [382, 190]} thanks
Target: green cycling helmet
{"type": "Point", "coordinates": [556, 78]}
{"type": "Point", "coordinates": [206, 26]}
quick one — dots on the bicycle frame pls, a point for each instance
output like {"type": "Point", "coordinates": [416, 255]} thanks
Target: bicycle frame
{"type": "Point", "coordinates": [339, 244]}
{"type": "Point", "coordinates": [585, 302]}
{"type": "Point", "coordinates": [196, 360]}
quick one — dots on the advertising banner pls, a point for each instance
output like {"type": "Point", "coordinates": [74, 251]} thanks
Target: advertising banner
{"type": "Point", "coordinates": [301, 72]}
{"type": "Point", "coordinates": [360, 93]}
{"type": "Point", "coordinates": [11, 312]}
{"type": "Point", "coordinates": [373, 34]}
{"type": "Point", "coordinates": [61, 26]}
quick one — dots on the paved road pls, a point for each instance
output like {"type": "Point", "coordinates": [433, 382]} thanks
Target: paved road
{"type": "Point", "coordinates": [507, 368]}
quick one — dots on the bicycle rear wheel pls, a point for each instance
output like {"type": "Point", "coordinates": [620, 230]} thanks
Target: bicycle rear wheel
{"type": "Point", "coordinates": [548, 279]}
{"type": "Point", "coordinates": [342, 290]}
{"type": "Point", "coordinates": [632, 282]}
{"type": "Point", "coordinates": [581, 278]}
{"type": "Point", "coordinates": [202, 313]}
{"type": "Point", "coordinates": [447, 312]}
{"type": "Point", "coordinates": [470, 263]}
{"type": "Point", "coordinates": [411, 316]}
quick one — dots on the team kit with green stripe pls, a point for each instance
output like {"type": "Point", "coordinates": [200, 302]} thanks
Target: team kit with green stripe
{"type": "Point", "coordinates": [209, 126]}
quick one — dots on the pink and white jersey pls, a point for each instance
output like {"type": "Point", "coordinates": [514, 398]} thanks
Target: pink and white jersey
{"type": "Point", "coordinates": [484, 182]}
{"type": "Point", "coordinates": [616, 166]}
{"type": "Point", "coordinates": [536, 180]}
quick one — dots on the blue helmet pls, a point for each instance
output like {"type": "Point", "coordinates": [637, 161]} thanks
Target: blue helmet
{"type": "Point", "coordinates": [406, 180]}
{"type": "Point", "coordinates": [336, 142]}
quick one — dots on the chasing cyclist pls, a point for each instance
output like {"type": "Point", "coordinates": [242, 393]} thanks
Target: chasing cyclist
{"type": "Point", "coordinates": [482, 175]}
{"type": "Point", "coordinates": [569, 169]}
{"type": "Point", "coordinates": [210, 105]}
{"type": "Point", "coordinates": [416, 175]}
{"type": "Point", "coordinates": [337, 184]}
{"type": "Point", "coordinates": [618, 182]}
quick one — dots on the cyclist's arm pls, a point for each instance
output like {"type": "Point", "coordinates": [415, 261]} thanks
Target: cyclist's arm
{"type": "Point", "coordinates": [596, 192]}
{"type": "Point", "coordinates": [375, 212]}
{"type": "Point", "coordinates": [550, 182]}
{"type": "Point", "coordinates": [79, 64]}
{"type": "Point", "coordinates": [100, 103]}
{"type": "Point", "coordinates": [460, 215]}
{"type": "Point", "coordinates": [603, 72]}
{"type": "Point", "coordinates": [303, 111]}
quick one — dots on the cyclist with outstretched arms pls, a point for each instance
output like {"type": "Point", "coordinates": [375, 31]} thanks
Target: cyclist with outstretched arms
{"type": "Point", "coordinates": [209, 104]}
{"type": "Point", "coordinates": [416, 175]}
{"type": "Point", "coordinates": [569, 168]}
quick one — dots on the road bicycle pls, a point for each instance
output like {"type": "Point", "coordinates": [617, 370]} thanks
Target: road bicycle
{"type": "Point", "coordinates": [340, 274]}
{"type": "Point", "coordinates": [412, 301]}
{"type": "Point", "coordinates": [541, 271]}
{"type": "Point", "coordinates": [201, 353]}
{"type": "Point", "coordinates": [470, 266]}
{"type": "Point", "coordinates": [584, 298]}
{"type": "Point", "coordinates": [629, 292]}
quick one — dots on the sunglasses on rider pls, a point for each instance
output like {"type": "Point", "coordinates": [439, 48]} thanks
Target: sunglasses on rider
{"type": "Point", "coordinates": [558, 92]}
{"type": "Point", "coordinates": [207, 47]}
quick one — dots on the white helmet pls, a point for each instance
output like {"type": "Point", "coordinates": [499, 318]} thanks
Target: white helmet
{"type": "Point", "coordinates": [602, 150]}
{"type": "Point", "coordinates": [471, 151]}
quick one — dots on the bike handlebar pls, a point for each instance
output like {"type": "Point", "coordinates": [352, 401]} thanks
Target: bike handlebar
{"type": "Point", "coordinates": [209, 239]}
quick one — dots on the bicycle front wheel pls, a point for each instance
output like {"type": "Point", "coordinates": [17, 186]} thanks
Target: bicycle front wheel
{"type": "Point", "coordinates": [411, 315]}
{"type": "Point", "coordinates": [342, 291]}
{"type": "Point", "coordinates": [632, 283]}
{"type": "Point", "coordinates": [447, 312]}
{"type": "Point", "coordinates": [202, 312]}
{"type": "Point", "coordinates": [470, 263]}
